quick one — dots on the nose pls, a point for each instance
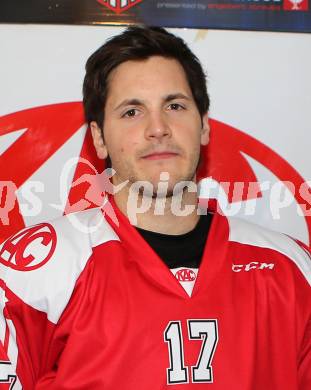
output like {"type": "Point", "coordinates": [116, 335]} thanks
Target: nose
{"type": "Point", "coordinates": [157, 126]}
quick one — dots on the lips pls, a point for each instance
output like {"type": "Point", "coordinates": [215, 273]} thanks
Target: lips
{"type": "Point", "coordinates": [160, 155]}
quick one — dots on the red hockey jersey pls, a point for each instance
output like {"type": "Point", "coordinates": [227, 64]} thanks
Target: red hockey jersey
{"type": "Point", "coordinates": [87, 304]}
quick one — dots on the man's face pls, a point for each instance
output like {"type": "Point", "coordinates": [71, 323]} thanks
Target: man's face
{"type": "Point", "coordinates": [151, 124]}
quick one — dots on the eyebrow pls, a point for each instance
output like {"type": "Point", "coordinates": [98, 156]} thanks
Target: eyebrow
{"type": "Point", "coordinates": [175, 96]}
{"type": "Point", "coordinates": [138, 102]}
{"type": "Point", "coordinates": [129, 102]}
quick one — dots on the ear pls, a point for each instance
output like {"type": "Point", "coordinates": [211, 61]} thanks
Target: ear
{"type": "Point", "coordinates": [98, 141]}
{"type": "Point", "coordinates": [205, 130]}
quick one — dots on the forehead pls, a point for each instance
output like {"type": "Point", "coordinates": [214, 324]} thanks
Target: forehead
{"type": "Point", "coordinates": [156, 75]}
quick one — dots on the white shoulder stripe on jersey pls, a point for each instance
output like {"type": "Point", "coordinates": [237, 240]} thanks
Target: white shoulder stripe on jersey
{"type": "Point", "coordinates": [49, 287]}
{"type": "Point", "coordinates": [248, 233]}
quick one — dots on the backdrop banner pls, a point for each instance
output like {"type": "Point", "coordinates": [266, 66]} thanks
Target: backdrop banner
{"type": "Point", "coordinates": [269, 15]}
{"type": "Point", "coordinates": [257, 164]}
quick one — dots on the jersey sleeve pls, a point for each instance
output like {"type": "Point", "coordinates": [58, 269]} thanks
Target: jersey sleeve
{"type": "Point", "coordinates": [304, 359]}
{"type": "Point", "coordinates": [304, 362]}
{"type": "Point", "coordinates": [59, 370]}
{"type": "Point", "coordinates": [298, 258]}
{"type": "Point", "coordinates": [8, 377]}
{"type": "Point", "coordinates": [40, 269]}
{"type": "Point", "coordinates": [25, 335]}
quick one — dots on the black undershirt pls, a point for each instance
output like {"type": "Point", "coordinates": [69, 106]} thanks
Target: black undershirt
{"type": "Point", "coordinates": [184, 250]}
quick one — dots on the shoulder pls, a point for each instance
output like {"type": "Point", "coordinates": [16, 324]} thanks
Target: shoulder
{"type": "Point", "coordinates": [247, 233]}
{"type": "Point", "coordinates": [41, 263]}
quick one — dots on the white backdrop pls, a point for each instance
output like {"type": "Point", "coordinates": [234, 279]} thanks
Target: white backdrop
{"type": "Point", "coordinates": [259, 84]}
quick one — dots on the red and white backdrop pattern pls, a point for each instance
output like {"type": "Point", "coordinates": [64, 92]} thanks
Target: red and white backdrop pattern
{"type": "Point", "coordinates": [260, 87]}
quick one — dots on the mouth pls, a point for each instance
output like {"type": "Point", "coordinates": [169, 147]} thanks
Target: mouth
{"type": "Point", "coordinates": [160, 155]}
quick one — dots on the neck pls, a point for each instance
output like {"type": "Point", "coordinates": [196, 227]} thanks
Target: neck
{"type": "Point", "coordinates": [168, 215]}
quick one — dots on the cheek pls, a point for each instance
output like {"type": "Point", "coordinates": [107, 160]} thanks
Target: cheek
{"type": "Point", "coordinates": [121, 153]}
{"type": "Point", "coordinates": [189, 128]}
{"type": "Point", "coordinates": [188, 138]}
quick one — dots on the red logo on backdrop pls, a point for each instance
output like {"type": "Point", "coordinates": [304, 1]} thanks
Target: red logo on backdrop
{"type": "Point", "coordinates": [30, 248]}
{"type": "Point", "coordinates": [119, 6]}
{"type": "Point", "coordinates": [185, 275]}
{"type": "Point", "coordinates": [225, 160]}
{"type": "Point", "coordinates": [40, 123]}
{"type": "Point", "coordinates": [296, 5]}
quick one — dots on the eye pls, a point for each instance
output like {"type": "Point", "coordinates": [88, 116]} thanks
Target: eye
{"type": "Point", "coordinates": [176, 107]}
{"type": "Point", "coordinates": [130, 113]}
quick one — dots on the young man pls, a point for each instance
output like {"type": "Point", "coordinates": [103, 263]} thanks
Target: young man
{"type": "Point", "coordinates": [153, 295]}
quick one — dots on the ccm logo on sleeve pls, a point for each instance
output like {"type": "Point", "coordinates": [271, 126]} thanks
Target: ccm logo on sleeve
{"type": "Point", "coordinates": [251, 266]}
